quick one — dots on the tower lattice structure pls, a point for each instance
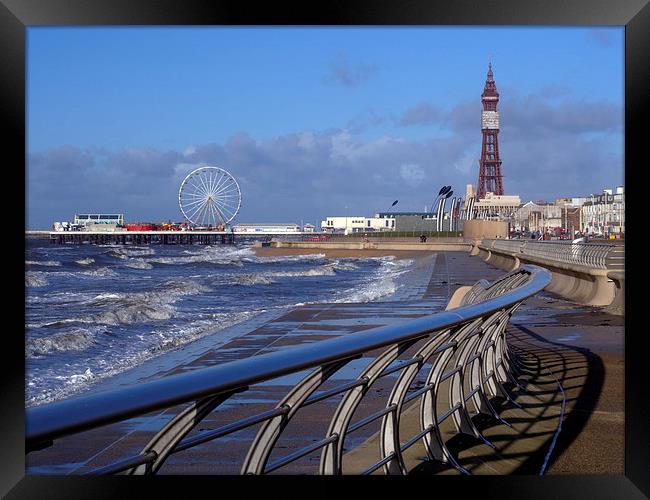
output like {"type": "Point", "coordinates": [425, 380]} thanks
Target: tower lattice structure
{"type": "Point", "coordinates": [489, 176]}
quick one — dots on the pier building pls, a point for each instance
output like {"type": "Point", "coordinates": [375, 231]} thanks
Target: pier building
{"type": "Point", "coordinates": [84, 219]}
{"type": "Point", "coordinates": [266, 228]}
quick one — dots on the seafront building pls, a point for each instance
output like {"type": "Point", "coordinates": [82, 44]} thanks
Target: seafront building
{"type": "Point", "coordinates": [604, 213]}
{"type": "Point", "coordinates": [495, 206]}
{"type": "Point", "coordinates": [598, 214]}
{"type": "Point", "coordinates": [358, 223]}
{"type": "Point", "coordinates": [388, 221]}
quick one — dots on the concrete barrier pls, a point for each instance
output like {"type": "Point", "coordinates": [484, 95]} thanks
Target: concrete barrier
{"type": "Point", "coordinates": [581, 284]}
{"type": "Point", "coordinates": [446, 246]}
{"type": "Point", "coordinates": [478, 228]}
{"type": "Point", "coordinates": [618, 305]}
{"type": "Point", "coordinates": [457, 297]}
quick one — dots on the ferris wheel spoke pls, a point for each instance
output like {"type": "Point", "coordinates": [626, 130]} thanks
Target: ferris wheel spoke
{"type": "Point", "coordinates": [224, 209]}
{"type": "Point", "coordinates": [196, 182]}
{"type": "Point", "coordinates": [227, 185]}
{"type": "Point", "coordinates": [198, 188]}
{"type": "Point", "coordinates": [220, 179]}
{"type": "Point", "coordinates": [190, 204]}
{"type": "Point", "coordinates": [206, 190]}
{"type": "Point", "coordinates": [228, 198]}
{"type": "Point", "coordinates": [213, 212]}
{"type": "Point", "coordinates": [209, 182]}
{"type": "Point", "coordinates": [194, 195]}
{"type": "Point", "coordinates": [228, 207]}
{"type": "Point", "coordinates": [193, 186]}
{"type": "Point", "coordinates": [225, 219]}
{"type": "Point", "coordinates": [194, 211]}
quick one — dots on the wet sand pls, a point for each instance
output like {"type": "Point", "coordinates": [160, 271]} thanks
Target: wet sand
{"type": "Point", "coordinates": [338, 253]}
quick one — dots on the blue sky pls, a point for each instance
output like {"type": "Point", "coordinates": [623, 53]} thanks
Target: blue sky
{"type": "Point", "coordinates": [313, 120]}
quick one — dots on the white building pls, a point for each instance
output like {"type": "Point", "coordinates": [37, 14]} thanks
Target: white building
{"type": "Point", "coordinates": [496, 206]}
{"type": "Point", "coordinates": [83, 219]}
{"type": "Point", "coordinates": [266, 228]}
{"type": "Point", "coordinates": [604, 214]}
{"type": "Point", "coordinates": [538, 216]}
{"type": "Point", "coordinates": [354, 224]}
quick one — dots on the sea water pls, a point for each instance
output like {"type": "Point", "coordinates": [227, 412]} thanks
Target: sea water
{"type": "Point", "coordinates": [95, 311]}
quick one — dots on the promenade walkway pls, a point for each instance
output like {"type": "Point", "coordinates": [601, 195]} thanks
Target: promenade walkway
{"type": "Point", "coordinates": [579, 347]}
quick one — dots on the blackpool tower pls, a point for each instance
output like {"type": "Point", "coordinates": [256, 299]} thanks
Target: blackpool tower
{"type": "Point", "coordinates": [489, 176]}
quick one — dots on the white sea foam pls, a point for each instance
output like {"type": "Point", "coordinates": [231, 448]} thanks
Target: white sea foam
{"type": "Point", "coordinates": [251, 279]}
{"type": "Point", "coordinates": [59, 298]}
{"type": "Point", "coordinates": [35, 279]}
{"type": "Point", "coordinates": [46, 263]}
{"type": "Point", "coordinates": [381, 285]}
{"type": "Point", "coordinates": [100, 272]}
{"type": "Point", "coordinates": [235, 256]}
{"type": "Point", "coordinates": [344, 265]}
{"type": "Point", "coordinates": [283, 258]}
{"type": "Point", "coordinates": [317, 271]}
{"type": "Point", "coordinates": [183, 334]}
{"type": "Point", "coordinates": [85, 262]}
{"type": "Point", "coordinates": [138, 264]}
{"type": "Point", "coordinates": [124, 253]}
{"type": "Point", "coordinates": [269, 277]}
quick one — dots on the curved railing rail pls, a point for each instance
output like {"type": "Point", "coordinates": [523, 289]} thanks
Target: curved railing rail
{"type": "Point", "coordinates": [465, 346]}
{"type": "Point", "coordinates": [608, 256]}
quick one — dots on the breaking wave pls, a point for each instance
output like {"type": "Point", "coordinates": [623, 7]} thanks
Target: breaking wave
{"type": "Point", "coordinates": [317, 271]}
{"type": "Point", "coordinates": [133, 307]}
{"type": "Point", "coordinates": [251, 279]}
{"type": "Point", "coordinates": [138, 264]}
{"type": "Point", "coordinates": [85, 262]}
{"type": "Point", "coordinates": [184, 334]}
{"type": "Point", "coordinates": [382, 285]}
{"type": "Point", "coordinates": [35, 280]}
{"type": "Point", "coordinates": [100, 272]}
{"type": "Point", "coordinates": [75, 340]}
{"type": "Point", "coordinates": [154, 344]}
{"type": "Point", "coordinates": [125, 253]}
{"type": "Point", "coordinates": [229, 256]}
{"type": "Point", "coordinates": [267, 278]}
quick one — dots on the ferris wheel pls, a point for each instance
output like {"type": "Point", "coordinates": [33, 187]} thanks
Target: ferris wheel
{"type": "Point", "coordinates": [209, 196]}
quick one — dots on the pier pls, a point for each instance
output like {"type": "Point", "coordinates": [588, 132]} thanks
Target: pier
{"type": "Point", "coordinates": [142, 237]}
{"type": "Point", "coordinates": [520, 381]}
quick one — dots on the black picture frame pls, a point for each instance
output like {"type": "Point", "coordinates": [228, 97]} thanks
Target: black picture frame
{"type": "Point", "coordinates": [17, 15]}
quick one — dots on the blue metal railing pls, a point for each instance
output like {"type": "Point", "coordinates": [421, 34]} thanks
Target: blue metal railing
{"type": "Point", "coordinates": [609, 256]}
